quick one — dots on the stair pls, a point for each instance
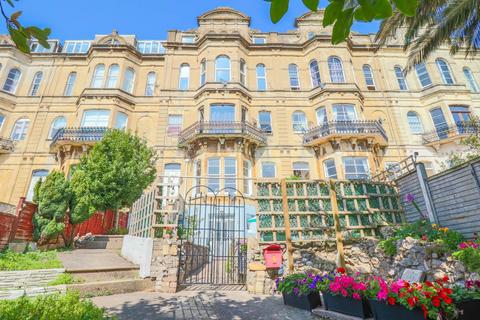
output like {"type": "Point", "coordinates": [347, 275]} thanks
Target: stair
{"type": "Point", "coordinates": [111, 242]}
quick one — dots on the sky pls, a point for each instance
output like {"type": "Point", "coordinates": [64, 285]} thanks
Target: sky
{"type": "Point", "coordinates": [148, 19]}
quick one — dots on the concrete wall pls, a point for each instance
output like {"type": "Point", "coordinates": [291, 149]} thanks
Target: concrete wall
{"type": "Point", "coordinates": [139, 251]}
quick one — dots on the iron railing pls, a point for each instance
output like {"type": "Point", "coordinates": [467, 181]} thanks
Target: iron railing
{"type": "Point", "coordinates": [221, 128]}
{"type": "Point", "coordinates": [6, 145]}
{"type": "Point", "coordinates": [446, 132]}
{"type": "Point", "coordinates": [81, 134]}
{"type": "Point", "coordinates": [344, 127]}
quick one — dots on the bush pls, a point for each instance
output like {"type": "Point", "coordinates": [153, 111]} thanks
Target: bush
{"type": "Point", "coordinates": [64, 278]}
{"type": "Point", "coordinates": [10, 260]}
{"type": "Point", "coordinates": [51, 307]}
{"type": "Point", "coordinates": [470, 257]}
{"type": "Point", "coordinates": [389, 246]}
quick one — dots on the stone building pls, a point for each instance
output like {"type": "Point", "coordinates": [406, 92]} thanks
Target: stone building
{"type": "Point", "coordinates": [225, 100]}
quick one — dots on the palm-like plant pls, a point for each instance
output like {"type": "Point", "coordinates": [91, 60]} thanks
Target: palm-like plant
{"type": "Point", "coordinates": [436, 22]}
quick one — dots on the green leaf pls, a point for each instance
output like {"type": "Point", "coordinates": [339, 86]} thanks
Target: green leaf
{"type": "Point", "coordinates": [341, 28]}
{"type": "Point", "coordinates": [407, 7]}
{"type": "Point", "coordinates": [366, 10]}
{"type": "Point", "coordinates": [278, 10]}
{"type": "Point", "coordinates": [311, 4]}
{"type": "Point", "coordinates": [37, 32]}
{"type": "Point", "coordinates": [383, 9]}
{"type": "Point", "coordinates": [10, 2]}
{"type": "Point", "coordinates": [20, 40]}
{"type": "Point", "coordinates": [333, 10]}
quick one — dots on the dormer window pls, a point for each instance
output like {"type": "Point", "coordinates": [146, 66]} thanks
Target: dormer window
{"type": "Point", "coordinates": [188, 39]}
{"type": "Point", "coordinates": [259, 40]}
{"type": "Point", "coordinates": [36, 47]}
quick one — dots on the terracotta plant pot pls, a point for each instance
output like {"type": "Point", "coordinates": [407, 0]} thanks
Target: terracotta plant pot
{"type": "Point", "coordinates": [349, 306]}
{"type": "Point", "coordinates": [305, 302]}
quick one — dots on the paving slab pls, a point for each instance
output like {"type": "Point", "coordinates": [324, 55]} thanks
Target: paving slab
{"type": "Point", "coordinates": [89, 259]}
{"type": "Point", "coordinates": [199, 305]}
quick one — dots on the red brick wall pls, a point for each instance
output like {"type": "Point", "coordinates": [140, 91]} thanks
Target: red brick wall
{"type": "Point", "coordinates": [6, 223]}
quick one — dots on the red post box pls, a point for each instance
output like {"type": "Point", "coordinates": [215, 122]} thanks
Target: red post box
{"type": "Point", "coordinates": [273, 256]}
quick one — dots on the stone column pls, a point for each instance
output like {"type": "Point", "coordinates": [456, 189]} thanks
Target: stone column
{"type": "Point", "coordinates": [165, 264]}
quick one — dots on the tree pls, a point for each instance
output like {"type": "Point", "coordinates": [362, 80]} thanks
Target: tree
{"type": "Point", "coordinates": [471, 142]}
{"type": "Point", "coordinates": [436, 22]}
{"type": "Point", "coordinates": [53, 199]}
{"type": "Point", "coordinates": [113, 174]}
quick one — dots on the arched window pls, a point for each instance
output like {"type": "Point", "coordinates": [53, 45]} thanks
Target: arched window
{"type": "Point", "coordinates": [37, 79]}
{"type": "Point", "coordinates": [222, 69]}
{"type": "Point", "coordinates": [203, 72]}
{"type": "Point", "coordinates": [315, 73]}
{"type": "Point", "coordinates": [243, 72]}
{"type": "Point", "coordinates": [261, 77]}
{"type": "Point", "coordinates": [368, 74]}
{"type": "Point", "coordinates": [20, 129]}
{"type": "Point", "coordinates": [11, 82]}
{"type": "Point", "coordinates": [128, 80]}
{"type": "Point", "coordinates": [445, 71]}
{"type": "Point", "coordinates": [293, 75]}
{"type": "Point", "coordinates": [57, 124]}
{"type": "Point", "coordinates": [98, 76]}
{"type": "Point", "coordinates": [70, 83]}
{"type": "Point", "coordinates": [472, 83]}
{"type": "Point", "coordinates": [414, 122]}
{"type": "Point", "coordinates": [184, 77]}
{"type": "Point", "coordinates": [150, 87]}
{"type": "Point", "coordinates": [113, 75]}
{"type": "Point", "coordinates": [2, 120]}
{"type": "Point", "coordinates": [36, 176]}
{"type": "Point", "coordinates": [422, 74]}
{"type": "Point", "coordinates": [336, 70]}
{"type": "Point", "coordinates": [402, 82]}
{"type": "Point", "coordinates": [299, 122]}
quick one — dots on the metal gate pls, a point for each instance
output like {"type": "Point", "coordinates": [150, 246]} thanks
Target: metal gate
{"type": "Point", "coordinates": [212, 230]}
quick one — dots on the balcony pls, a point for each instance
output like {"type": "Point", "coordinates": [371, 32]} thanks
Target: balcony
{"type": "Point", "coordinates": [448, 134]}
{"type": "Point", "coordinates": [6, 145]}
{"type": "Point", "coordinates": [77, 136]}
{"type": "Point", "coordinates": [222, 130]}
{"type": "Point", "coordinates": [353, 129]}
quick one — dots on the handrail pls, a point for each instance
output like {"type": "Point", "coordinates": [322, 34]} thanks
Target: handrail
{"type": "Point", "coordinates": [221, 128]}
{"type": "Point", "coordinates": [445, 132]}
{"type": "Point", "coordinates": [79, 134]}
{"type": "Point", "coordinates": [344, 127]}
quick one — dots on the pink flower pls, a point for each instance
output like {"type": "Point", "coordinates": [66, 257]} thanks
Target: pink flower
{"type": "Point", "coordinates": [356, 296]}
{"type": "Point", "coordinates": [382, 295]}
{"type": "Point", "coordinates": [344, 292]}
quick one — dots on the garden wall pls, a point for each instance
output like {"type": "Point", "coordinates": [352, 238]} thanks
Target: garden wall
{"type": "Point", "coordinates": [452, 197]}
{"type": "Point", "coordinates": [17, 226]}
{"type": "Point", "coordinates": [139, 251]}
{"type": "Point", "coordinates": [27, 278]}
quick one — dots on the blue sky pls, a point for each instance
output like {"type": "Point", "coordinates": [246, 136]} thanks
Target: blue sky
{"type": "Point", "coordinates": [148, 19]}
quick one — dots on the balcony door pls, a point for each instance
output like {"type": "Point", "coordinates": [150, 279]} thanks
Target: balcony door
{"type": "Point", "coordinates": [95, 118]}
{"type": "Point", "coordinates": [221, 118]}
{"type": "Point", "coordinates": [441, 126]}
{"type": "Point", "coordinates": [461, 116]}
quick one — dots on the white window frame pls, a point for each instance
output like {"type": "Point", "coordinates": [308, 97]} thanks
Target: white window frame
{"type": "Point", "coordinates": [293, 77]}
{"type": "Point", "coordinates": [401, 79]}
{"type": "Point", "coordinates": [243, 72]}
{"type": "Point", "coordinates": [335, 68]}
{"type": "Point", "coordinates": [261, 78]}
{"type": "Point", "coordinates": [98, 77]}
{"type": "Point", "coordinates": [213, 179]}
{"type": "Point", "coordinates": [129, 80]}
{"type": "Point", "coordinates": [150, 84]}
{"type": "Point", "coordinates": [368, 75]}
{"type": "Point", "coordinates": [35, 177]}
{"type": "Point", "coordinates": [99, 111]}
{"type": "Point", "coordinates": [230, 179]}
{"type": "Point", "coordinates": [325, 116]}
{"type": "Point", "coordinates": [273, 165]}
{"type": "Point", "coordinates": [445, 71]}
{"type": "Point", "coordinates": [150, 47]}
{"type": "Point", "coordinates": [471, 81]}
{"type": "Point", "coordinates": [357, 173]}
{"type": "Point", "coordinates": [297, 123]}
{"type": "Point", "coordinates": [422, 71]}
{"type": "Point", "coordinates": [11, 83]}
{"type": "Point", "coordinates": [417, 126]}
{"type": "Point", "coordinates": [188, 38]}
{"type": "Point", "coordinates": [37, 80]}
{"type": "Point", "coordinates": [76, 46]}
{"type": "Point", "coordinates": [326, 166]}
{"type": "Point", "coordinates": [184, 74]}
{"type": "Point", "coordinates": [174, 128]}
{"type": "Point", "coordinates": [259, 40]}
{"type": "Point", "coordinates": [203, 72]}
{"type": "Point", "coordinates": [269, 124]}
{"type": "Point", "coordinates": [314, 74]}
{"type": "Point", "coordinates": [343, 106]}
{"type": "Point", "coordinates": [247, 175]}
{"type": "Point", "coordinates": [21, 127]}
{"type": "Point", "coordinates": [223, 69]}
{"type": "Point", "coordinates": [113, 76]}
{"type": "Point", "coordinates": [55, 127]}
{"type": "Point", "coordinates": [303, 167]}
{"type": "Point", "coordinates": [72, 77]}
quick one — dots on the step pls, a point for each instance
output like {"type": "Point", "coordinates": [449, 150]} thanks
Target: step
{"type": "Point", "coordinates": [332, 315]}
{"type": "Point", "coordinates": [111, 242]}
{"type": "Point", "coordinates": [105, 274]}
{"type": "Point", "coordinates": [103, 288]}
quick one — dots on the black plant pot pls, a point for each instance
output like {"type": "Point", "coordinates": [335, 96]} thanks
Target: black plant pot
{"type": "Point", "coordinates": [305, 302]}
{"type": "Point", "coordinates": [469, 309]}
{"type": "Point", "coordinates": [350, 306]}
{"type": "Point", "coordinates": [383, 311]}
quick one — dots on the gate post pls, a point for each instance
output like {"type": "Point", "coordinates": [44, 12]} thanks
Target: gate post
{"type": "Point", "coordinates": [286, 218]}
{"type": "Point", "coordinates": [165, 265]}
{"type": "Point", "coordinates": [336, 221]}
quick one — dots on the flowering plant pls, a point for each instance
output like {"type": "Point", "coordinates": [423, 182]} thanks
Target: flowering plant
{"type": "Point", "coordinates": [469, 254]}
{"type": "Point", "coordinates": [339, 283]}
{"type": "Point", "coordinates": [469, 291]}
{"type": "Point", "coordinates": [434, 298]}
{"type": "Point", "coordinates": [298, 283]}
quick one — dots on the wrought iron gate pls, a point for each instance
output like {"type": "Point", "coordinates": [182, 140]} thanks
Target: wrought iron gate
{"type": "Point", "coordinates": [212, 230]}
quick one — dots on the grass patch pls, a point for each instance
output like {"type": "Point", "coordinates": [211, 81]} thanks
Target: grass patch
{"type": "Point", "coordinates": [64, 278]}
{"type": "Point", "coordinates": [13, 261]}
{"type": "Point", "coordinates": [52, 307]}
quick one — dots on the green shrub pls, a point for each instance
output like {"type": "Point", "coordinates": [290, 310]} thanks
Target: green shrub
{"type": "Point", "coordinates": [11, 260]}
{"type": "Point", "coordinates": [51, 307]}
{"type": "Point", "coordinates": [118, 231]}
{"type": "Point", "coordinates": [389, 246]}
{"type": "Point", "coordinates": [470, 257]}
{"type": "Point", "coordinates": [64, 278]}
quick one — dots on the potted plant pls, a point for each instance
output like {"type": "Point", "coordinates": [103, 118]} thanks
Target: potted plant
{"type": "Point", "coordinates": [299, 291]}
{"type": "Point", "coordinates": [402, 300]}
{"type": "Point", "coordinates": [344, 294]}
{"type": "Point", "coordinates": [467, 300]}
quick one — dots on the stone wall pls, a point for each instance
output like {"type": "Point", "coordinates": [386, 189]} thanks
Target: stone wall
{"type": "Point", "coordinates": [361, 255]}
{"type": "Point", "coordinates": [165, 264]}
{"type": "Point", "coordinates": [27, 279]}
{"type": "Point", "coordinates": [32, 292]}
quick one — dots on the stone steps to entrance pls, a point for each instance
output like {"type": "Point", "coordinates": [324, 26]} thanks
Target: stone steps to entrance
{"type": "Point", "coordinates": [110, 242]}
{"type": "Point", "coordinates": [323, 314]}
{"type": "Point", "coordinates": [102, 288]}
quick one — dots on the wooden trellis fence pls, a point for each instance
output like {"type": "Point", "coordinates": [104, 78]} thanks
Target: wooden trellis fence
{"type": "Point", "coordinates": [361, 207]}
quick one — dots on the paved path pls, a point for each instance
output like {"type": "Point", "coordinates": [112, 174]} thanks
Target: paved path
{"type": "Point", "coordinates": [93, 259]}
{"type": "Point", "coordinates": [199, 305]}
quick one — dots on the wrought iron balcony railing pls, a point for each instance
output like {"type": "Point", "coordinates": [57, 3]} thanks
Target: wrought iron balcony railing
{"type": "Point", "coordinates": [223, 129]}
{"type": "Point", "coordinates": [79, 135]}
{"type": "Point", "coordinates": [360, 128]}
{"type": "Point", "coordinates": [447, 133]}
{"type": "Point", "coordinates": [6, 145]}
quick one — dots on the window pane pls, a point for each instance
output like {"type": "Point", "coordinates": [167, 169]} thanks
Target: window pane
{"type": "Point", "coordinates": [20, 129]}
{"type": "Point", "coordinates": [301, 170]}
{"type": "Point", "coordinates": [299, 122]}
{"type": "Point", "coordinates": [261, 78]}
{"type": "Point", "coordinates": [222, 113]}
{"type": "Point", "coordinates": [184, 77]}
{"type": "Point", "coordinates": [213, 173]}
{"type": "Point", "coordinates": [36, 176]}
{"type": "Point", "coordinates": [315, 74]}
{"type": "Point", "coordinates": [264, 118]}
{"type": "Point", "coordinates": [321, 116]}
{"type": "Point", "coordinates": [222, 69]}
{"type": "Point", "coordinates": [150, 87]}
{"type": "Point", "coordinates": [98, 75]}
{"type": "Point", "coordinates": [402, 83]}
{"type": "Point", "coordinates": [70, 83]}
{"type": "Point", "coordinates": [113, 75]}
{"type": "Point", "coordinates": [472, 83]}
{"type": "Point", "coordinates": [293, 75]}
{"type": "Point", "coordinates": [445, 71]}
{"type": "Point", "coordinates": [356, 168]}
{"type": "Point", "coordinates": [330, 169]}
{"type": "Point", "coordinates": [175, 122]}
{"type": "Point", "coordinates": [368, 74]}
{"type": "Point", "coordinates": [57, 124]}
{"type": "Point", "coordinates": [247, 174]}
{"type": "Point", "coordinates": [11, 82]}
{"type": "Point", "coordinates": [336, 70]}
{"type": "Point", "coordinates": [268, 170]}
{"type": "Point", "coordinates": [344, 112]}
{"type": "Point", "coordinates": [423, 75]}
{"type": "Point", "coordinates": [95, 118]}
{"type": "Point", "coordinates": [414, 123]}
{"type": "Point", "coordinates": [37, 79]}
{"type": "Point", "coordinates": [243, 72]}
{"type": "Point", "coordinates": [128, 80]}
{"type": "Point", "coordinates": [121, 121]}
